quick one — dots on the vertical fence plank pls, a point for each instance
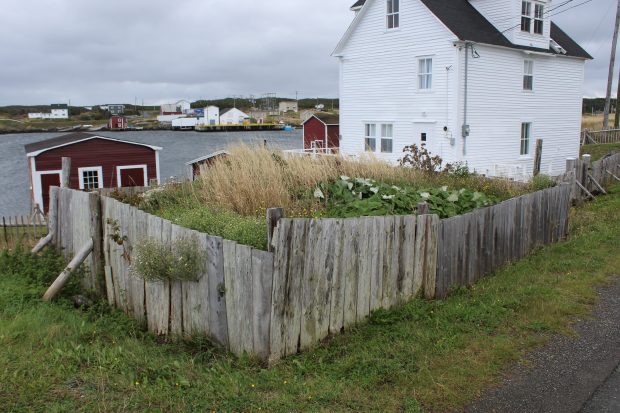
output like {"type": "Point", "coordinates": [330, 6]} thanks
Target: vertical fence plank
{"type": "Point", "coordinates": [282, 238]}
{"type": "Point", "coordinates": [157, 296]}
{"type": "Point", "coordinates": [350, 270]}
{"type": "Point", "coordinates": [367, 257]}
{"type": "Point", "coordinates": [195, 295]}
{"type": "Point", "coordinates": [137, 232]}
{"type": "Point", "coordinates": [218, 317]}
{"type": "Point", "coordinates": [295, 272]}
{"type": "Point", "coordinates": [410, 285]}
{"type": "Point", "coordinates": [262, 279]}
{"type": "Point", "coordinates": [176, 287]}
{"type": "Point", "coordinates": [378, 242]}
{"type": "Point", "coordinates": [338, 285]}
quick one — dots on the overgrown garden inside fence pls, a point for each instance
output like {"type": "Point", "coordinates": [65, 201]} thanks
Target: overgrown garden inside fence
{"type": "Point", "coordinates": [321, 275]}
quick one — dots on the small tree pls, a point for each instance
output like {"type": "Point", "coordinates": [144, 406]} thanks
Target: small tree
{"type": "Point", "coordinates": [420, 158]}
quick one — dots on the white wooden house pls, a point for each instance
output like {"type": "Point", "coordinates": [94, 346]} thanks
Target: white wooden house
{"type": "Point", "coordinates": [233, 117]}
{"type": "Point", "coordinates": [476, 81]}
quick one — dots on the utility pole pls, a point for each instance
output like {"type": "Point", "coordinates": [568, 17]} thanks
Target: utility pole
{"type": "Point", "coordinates": [612, 62]}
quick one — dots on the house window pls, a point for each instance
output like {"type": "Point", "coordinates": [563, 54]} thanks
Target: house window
{"type": "Point", "coordinates": [91, 178]}
{"type": "Point", "coordinates": [387, 135]}
{"type": "Point", "coordinates": [526, 16]}
{"type": "Point", "coordinates": [526, 137]}
{"type": "Point", "coordinates": [393, 14]}
{"type": "Point", "coordinates": [539, 13]}
{"type": "Point", "coordinates": [528, 75]}
{"type": "Point", "coordinates": [425, 74]}
{"type": "Point", "coordinates": [371, 137]}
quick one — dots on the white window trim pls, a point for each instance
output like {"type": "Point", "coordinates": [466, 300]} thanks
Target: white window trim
{"type": "Point", "coordinates": [529, 142]}
{"type": "Point", "coordinates": [120, 168]}
{"type": "Point", "coordinates": [382, 138]}
{"type": "Point", "coordinates": [38, 185]}
{"type": "Point", "coordinates": [387, 18]}
{"type": "Point", "coordinates": [525, 74]}
{"type": "Point", "coordinates": [420, 74]}
{"type": "Point", "coordinates": [99, 171]}
{"type": "Point", "coordinates": [532, 17]}
{"type": "Point", "coordinates": [375, 137]}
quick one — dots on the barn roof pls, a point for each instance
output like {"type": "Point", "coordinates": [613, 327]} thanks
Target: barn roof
{"type": "Point", "coordinates": [326, 118]}
{"type": "Point", "coordinates": [207, 157]}
{"type": "Point", "coordinates": [462, 19]}
{"type": "Point", "coordinates": [36, 148]}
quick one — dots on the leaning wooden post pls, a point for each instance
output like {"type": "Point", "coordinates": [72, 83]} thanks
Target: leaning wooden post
{"type": "Point", "coordinates": [66, 274]}
{"type": "Point", "coordinates": [538, 157]}
{"type": "Point", "coordinates": [66, 173]}
{"type": "Point", "coordinates": [273, 216]}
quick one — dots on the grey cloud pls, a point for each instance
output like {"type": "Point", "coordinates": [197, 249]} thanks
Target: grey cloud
{"type": "Point", "coordinates": [114, 50]}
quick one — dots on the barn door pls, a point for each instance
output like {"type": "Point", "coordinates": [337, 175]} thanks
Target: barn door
{"type": "Point", "coordinates": [132, 176]}
{"type": "Point", "coordinates": [47, 181]}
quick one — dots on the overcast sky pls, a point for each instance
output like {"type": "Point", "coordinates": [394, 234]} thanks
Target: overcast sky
{"type": "Point", "coordinates": [107, 51]}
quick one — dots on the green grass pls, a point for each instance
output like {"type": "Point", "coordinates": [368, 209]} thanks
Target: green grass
{"type": "Point", "coordinates": [598, 151]}
{"type": "Point", "coordinates": [431, 356]}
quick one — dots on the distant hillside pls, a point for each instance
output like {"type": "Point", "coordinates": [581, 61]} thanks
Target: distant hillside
{"type": "Point", "coordinates": [261, 103]}
{"type": "Point", "coordinates": [596, 105]}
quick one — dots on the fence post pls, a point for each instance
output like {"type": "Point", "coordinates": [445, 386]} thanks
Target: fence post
{"type": "Point", "coordinates": [423, 208]}
{"type": "Point", "coordinates": [6, 237]}
{"type": "Point", "coordinates": [538, 156]}
{"type": "Point", "coordinates": [273, 216]}
{"type": "Point", "coordinates": [571, 172]}
{"type": "Point", "coordinates": [66, 173]}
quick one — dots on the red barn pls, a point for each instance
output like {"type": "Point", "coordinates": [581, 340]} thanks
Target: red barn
{"type": "Point", "coordinates": [96, 162]}
{"type": "Point", "coordinates": [118, 123]}
{"type": "Point", "coordinates": [208, 160]}
{"type": "Point", "coordinates": [321, 132]}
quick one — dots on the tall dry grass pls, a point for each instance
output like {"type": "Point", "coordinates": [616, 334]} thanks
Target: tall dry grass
{"type": "Point", "coordinates": [595, 122]}
{"type": "Point", "coordinates": [253, 179]}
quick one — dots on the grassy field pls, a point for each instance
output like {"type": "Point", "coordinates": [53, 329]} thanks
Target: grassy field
{"type": "Point", "coordinates": [595, 122]}
{"type": "Point", "coordinates": [598, 151]}
{"type": "Point", "coordinates": [426, 356]}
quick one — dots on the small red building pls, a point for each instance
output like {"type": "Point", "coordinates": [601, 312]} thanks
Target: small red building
{"type": "Point", "coordinates": [96, 162]}
{"type": "Point", "coordinates": [206, 161]}
{"type": "Point", "coordinates": [118, 123]}
{"type": "Point", "coordinates": [322, 133]}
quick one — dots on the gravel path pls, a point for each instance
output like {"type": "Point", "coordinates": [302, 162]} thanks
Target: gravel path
{"type": "Point", "coordinates": [570, 374]}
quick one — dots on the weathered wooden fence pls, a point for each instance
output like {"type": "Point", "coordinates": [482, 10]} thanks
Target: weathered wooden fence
{"type": "Point", "coordinates": [330, 274]}
{"type": "Point", "coordinates": [230, 302]}
{"type": "Point", "coordinates": [600, 136]}
{"type": "Point", "coordinates": [473, 245]}
{"type": "Point", "coordinates": [323, 276]}
{"type": "Point", "coordinates": [23, 230]}
{"type": "Point", "coordinates": [74, 218]}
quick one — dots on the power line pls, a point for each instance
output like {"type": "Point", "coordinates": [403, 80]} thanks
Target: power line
{"type": "Point", "coordinates": [546, 12]}
{"type": "Point", "coordinates": [555, 14]}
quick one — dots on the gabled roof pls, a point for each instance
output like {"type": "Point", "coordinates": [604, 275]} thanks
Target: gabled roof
{"type": "Point", "coordinates": [462, 19]}
{"type": "Point", "coordinates": [224, 111]}
{"type": "Point", "coordinates": [358, 4]}
{"type": "Point", "coordinates": [34, 149]}
{"type": "Point", "coordinates": [327, 119]}
{"type": "Point", "coordinates": [207, 157]}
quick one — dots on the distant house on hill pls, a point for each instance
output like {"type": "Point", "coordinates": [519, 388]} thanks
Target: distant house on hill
{"type": "Point", "coordinates": [322, 133]}
{"type": "Point", "coordinates": [181, 107]}
{"type": "Point", "coordinates": [58, 111]}
{"type": "Point", "coordinates": [233, 117]}
{"type": "Point", "coordinates": [96, 162]}
{"type": "Point", "coordinates": [475, 81]}
{"type": "Point", "coordinates": [116, 110]}
{"type": "Point", "coordinates": [289, 106]}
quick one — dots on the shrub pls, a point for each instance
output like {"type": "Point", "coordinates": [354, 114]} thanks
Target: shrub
{"type": "Point", "coordinates": [421, 158]}
{"type": "Point", "coordinates": [155, 261]}
{"type": "Point", "coordinates": [366, 197]}
{"type": "Point", "coordinates": [540, 182]}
